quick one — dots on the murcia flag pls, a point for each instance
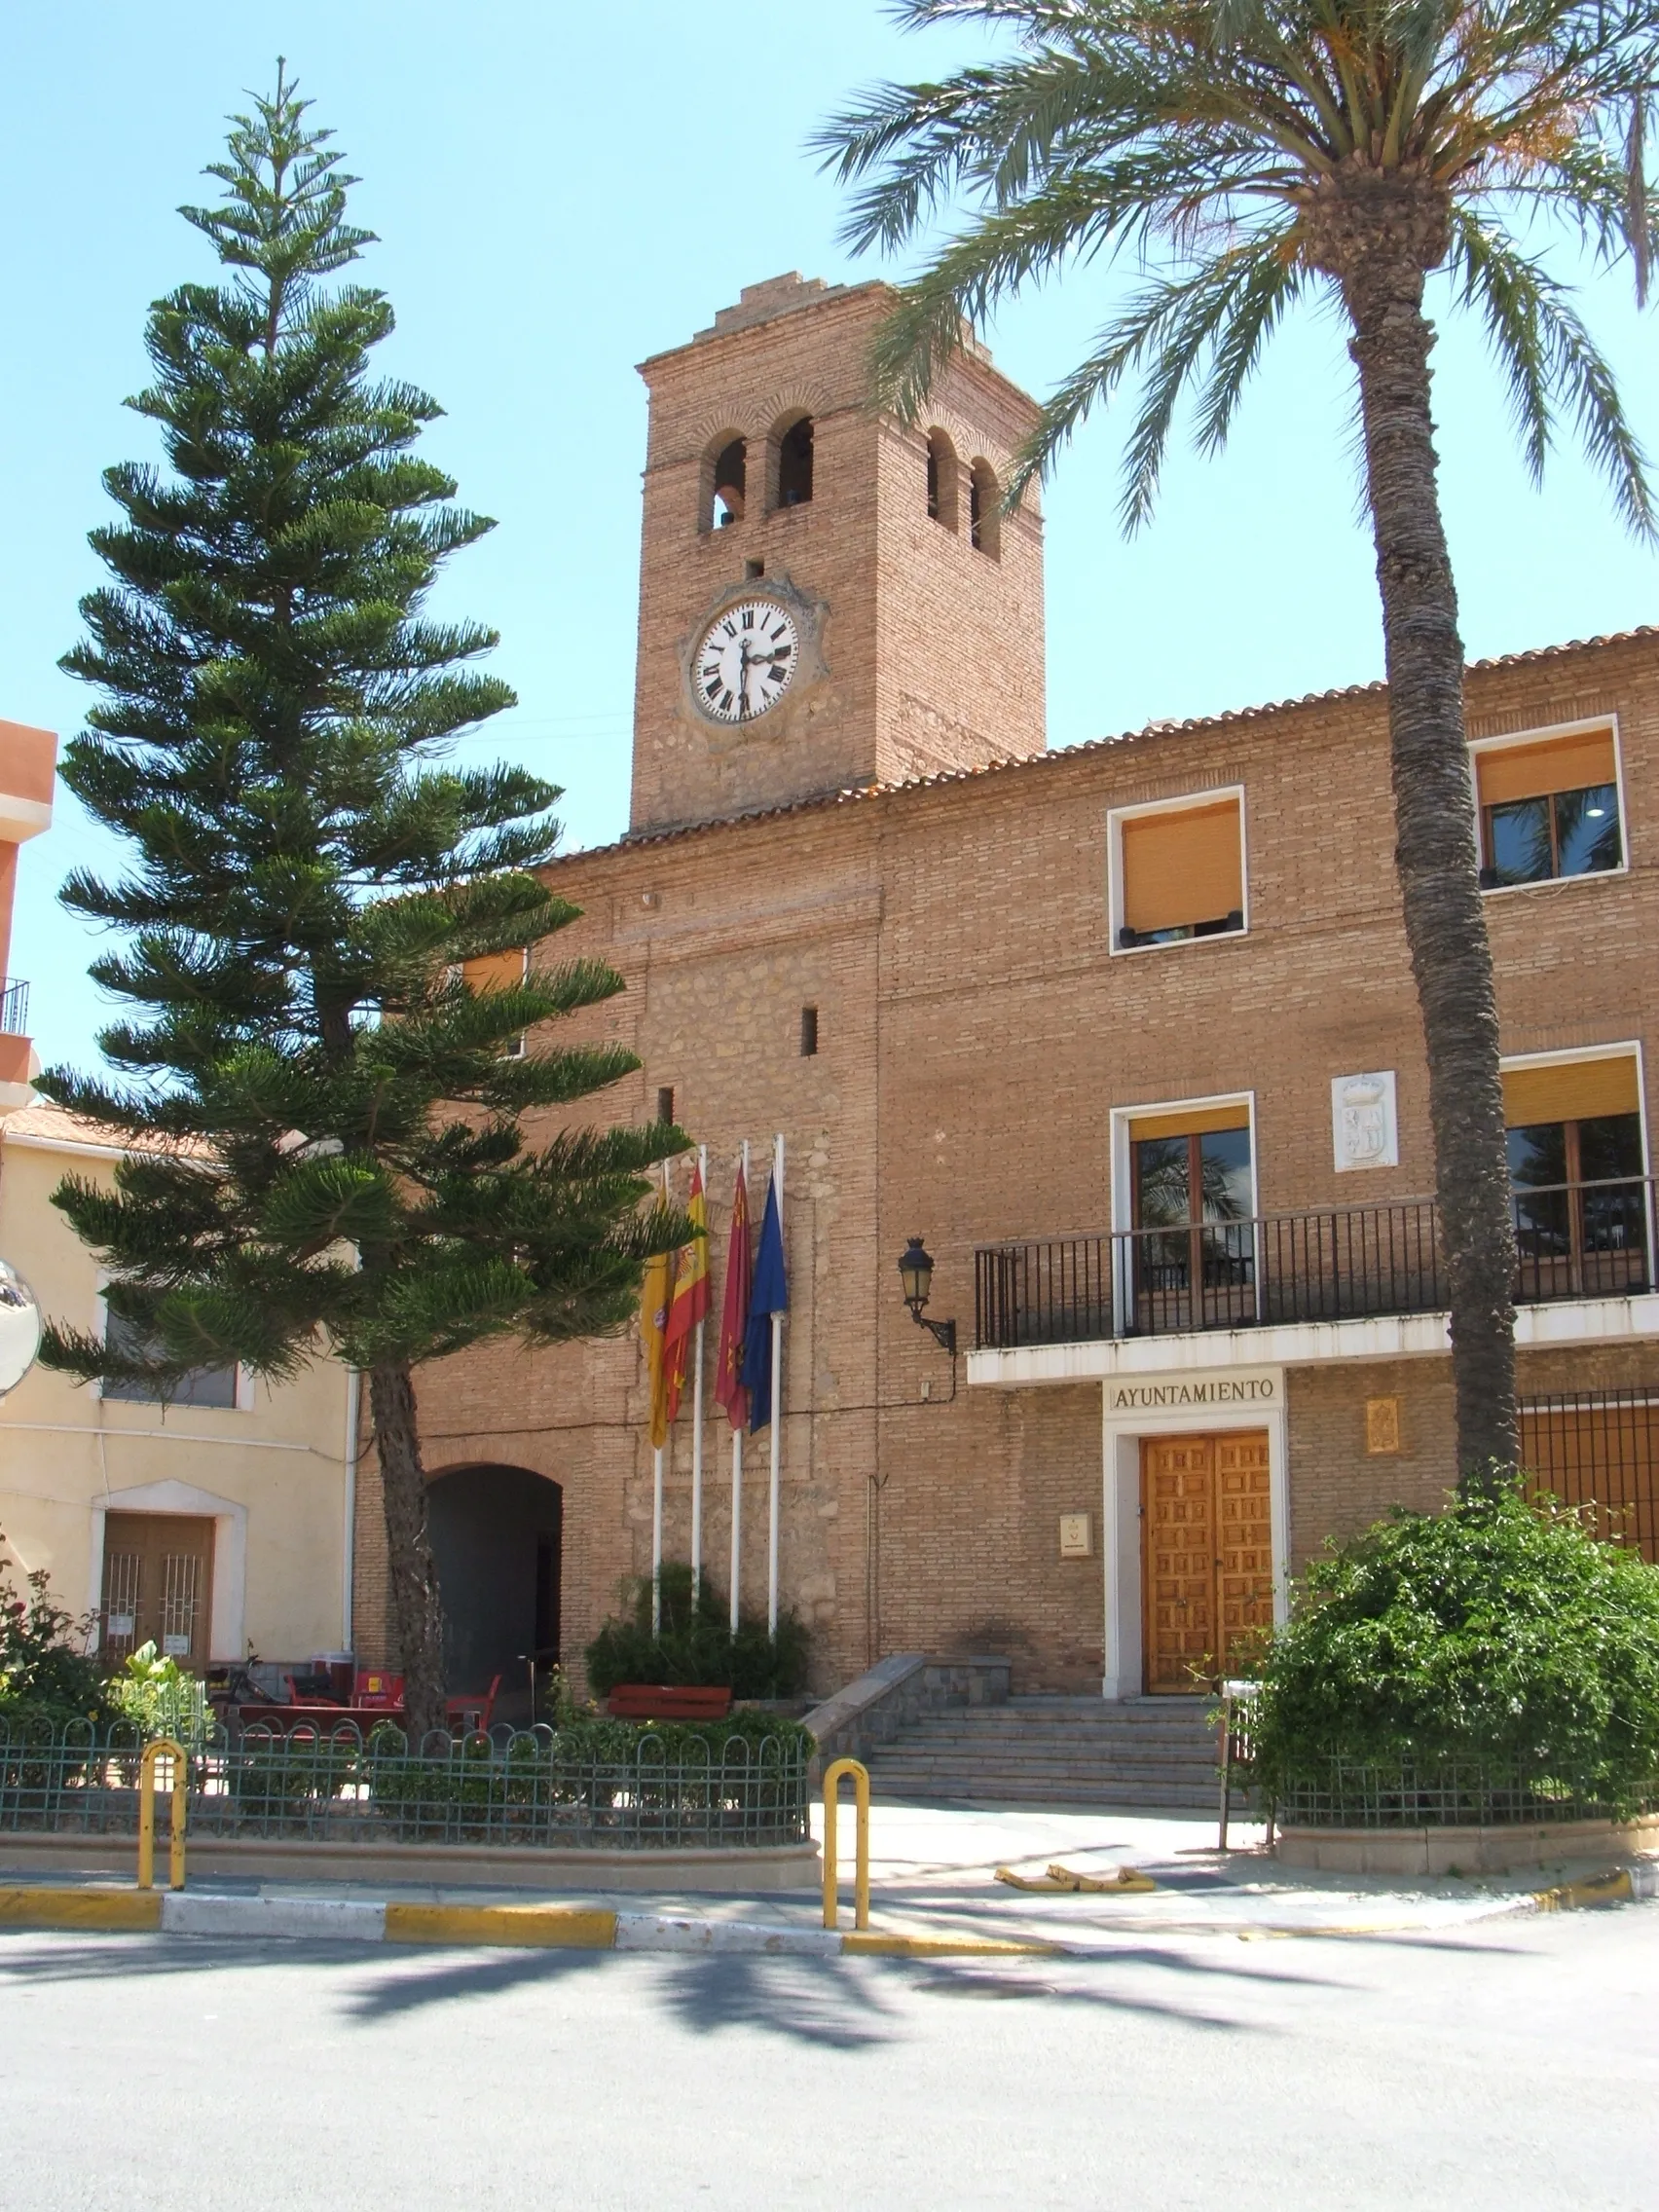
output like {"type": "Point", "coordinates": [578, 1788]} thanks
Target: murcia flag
{"type": "Point", "coordinates": [653, 1325]}
{"type": "Point", "coordinates": [735, 1313]}
{"type": "Point", "coordinates": [689, 1301]}
{"type": "Point", "coordinates": [769, 1294]}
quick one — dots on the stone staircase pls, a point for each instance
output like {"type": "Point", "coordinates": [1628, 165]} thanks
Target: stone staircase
{"type": "Point", "coordinates": [1150, 1755]}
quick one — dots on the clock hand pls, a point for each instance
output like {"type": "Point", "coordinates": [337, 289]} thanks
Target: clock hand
{"type": "Point", "coordinates": [743, 679]}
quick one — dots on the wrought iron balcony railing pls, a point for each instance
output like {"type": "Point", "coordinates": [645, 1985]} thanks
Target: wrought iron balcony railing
{"type": "Point", "coordinates": [14, 1007]}
{"type": "Point", "coordinates": [1339, 1263]}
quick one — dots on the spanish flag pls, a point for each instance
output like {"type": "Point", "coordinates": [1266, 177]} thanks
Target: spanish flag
{"type": "Point", "coordinates": [689, 1302]}
{"type": "Point", "coordinates": [653, 1327]}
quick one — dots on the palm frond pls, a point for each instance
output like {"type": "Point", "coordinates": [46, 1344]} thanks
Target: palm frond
{"type": "Point", "coordinates": [1222, 311]}
{"type": "Point", "coordinates": [1549, 359]}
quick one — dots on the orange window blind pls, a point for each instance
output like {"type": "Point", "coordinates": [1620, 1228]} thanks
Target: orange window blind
{"type": "Point", "coordinates": [1570, 1090]}
{"type": "Point", "coordinates": [1182, 868]}
{"type": "Point", "coordinates": [1557, 764]}
{"type": "Point", "coordinates": [496, 971]}
{"type": "Point", "coordinates": [1188, 1120]}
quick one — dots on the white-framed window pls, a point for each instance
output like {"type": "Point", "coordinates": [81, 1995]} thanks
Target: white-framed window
{"type": "Point", "coordinates": [229, 1389]}
{"type": "Point", "coordinates": [1177, 870]}
{"type": "Point", "coordinates": [1575, 1130]}
{"type": "Point", "coordinates": [1550, 804]}
{"type": "Point", "coordinates": [1184, 1208]}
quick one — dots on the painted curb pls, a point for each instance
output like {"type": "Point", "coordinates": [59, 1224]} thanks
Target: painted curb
{"type": "Point", "coordinates": [666, 1931]}
{"type": "Point", "coordinates": [1622, 1885]}
{"type": "Point", "coordinates": [565, 1928]}
{"type": "Point", "coordinates": [350, 1920]}
{"type": "Point", "coordinates": [544, 1927]}
{"type": "Point", "coordinates": [26, 1905]}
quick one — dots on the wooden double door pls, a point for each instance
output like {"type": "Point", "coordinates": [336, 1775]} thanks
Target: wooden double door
{"type": "Point", "coordinates": [1208, 1556]}
{"type": "Point", "coordinates": [157, 1587]}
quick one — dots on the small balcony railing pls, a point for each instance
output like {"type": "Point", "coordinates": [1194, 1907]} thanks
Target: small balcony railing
{"type": "Point", "coordinates": [1339, 1263]}
{"type": "Point", "coordinates": [14, 1007]}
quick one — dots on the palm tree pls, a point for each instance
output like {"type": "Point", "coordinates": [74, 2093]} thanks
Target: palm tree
{"type": "Point", "coordinates": [1267, 152]}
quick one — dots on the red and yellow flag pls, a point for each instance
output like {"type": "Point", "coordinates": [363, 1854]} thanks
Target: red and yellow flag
{"type": "Point", "coordinates": [689, 1301]}
{"type": "Point", "coordinates": [653, 1328]}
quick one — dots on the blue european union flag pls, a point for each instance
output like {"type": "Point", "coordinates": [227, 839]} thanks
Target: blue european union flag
{"type": "Point", "coordinates": [769, 1294]}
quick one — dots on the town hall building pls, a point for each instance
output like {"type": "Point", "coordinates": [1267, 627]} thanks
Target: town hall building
{"type": "Point", "coordinates": [1126, 1035]}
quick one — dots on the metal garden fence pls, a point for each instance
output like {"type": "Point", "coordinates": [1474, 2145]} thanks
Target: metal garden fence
{"type": "Point", "coordinates": [1448, 1793]}
{"type": "Point", "coordinates": [530, 1789]}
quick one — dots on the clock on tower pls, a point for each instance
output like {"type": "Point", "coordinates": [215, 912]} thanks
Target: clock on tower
{"type": "Point", "coordinates": [827, 598]}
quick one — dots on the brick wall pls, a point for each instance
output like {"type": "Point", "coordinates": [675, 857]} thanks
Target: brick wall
{"type": "Point", "coordinates": [974, 1037]}
{"type": "Point", "coordinates": [900, 595]}
{"type": "Point", "coordinates": [975, 1031]}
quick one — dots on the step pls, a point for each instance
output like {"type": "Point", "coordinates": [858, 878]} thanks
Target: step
{"type": "Point", "coordinates": [941, 1730]}
{"type": "Point", "coordinates": [1151, 1754]}
{"type": "Point", "coordinates": [1149, 1796]}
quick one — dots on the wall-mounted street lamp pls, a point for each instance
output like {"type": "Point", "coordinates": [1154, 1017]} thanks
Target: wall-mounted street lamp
{"type": "Point", "coordinates": [915, 1272]}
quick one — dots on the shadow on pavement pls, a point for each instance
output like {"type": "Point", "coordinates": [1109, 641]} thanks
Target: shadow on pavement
{"type": "Point", "coordinates": [829, 2004]}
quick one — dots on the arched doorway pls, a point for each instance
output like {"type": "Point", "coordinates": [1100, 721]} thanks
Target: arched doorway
{"type": "Point", "coordinates": [496, 1542]}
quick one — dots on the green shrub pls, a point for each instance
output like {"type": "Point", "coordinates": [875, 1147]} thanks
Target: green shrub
{"type": "Point", "coordinates": [160, 1698]}
{"type": "Point", "coordinates": [695, 1645]}
{"type": "Point", "coordinates": [1498, 1632]}
{"type": "Point", "coordinates": [478, 1790]}
{"type": "Point", "coordinates": [43, 1680]}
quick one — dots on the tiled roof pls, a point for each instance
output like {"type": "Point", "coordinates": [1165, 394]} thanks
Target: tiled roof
{"type": "Point", "coordinates": [45, 1124]}
{"type": "Point", "coordinates": [822, 800]}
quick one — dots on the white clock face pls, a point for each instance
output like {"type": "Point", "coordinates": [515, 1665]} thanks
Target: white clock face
{"type": "Point", "coordinates": [746, 660]}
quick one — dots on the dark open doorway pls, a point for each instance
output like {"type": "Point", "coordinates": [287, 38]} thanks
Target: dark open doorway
{"type": "Point", "coordinates": [496, 1540]}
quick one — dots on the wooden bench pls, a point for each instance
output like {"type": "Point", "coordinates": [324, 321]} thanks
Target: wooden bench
{"type": "Point", "coordinates": [664, 1701]}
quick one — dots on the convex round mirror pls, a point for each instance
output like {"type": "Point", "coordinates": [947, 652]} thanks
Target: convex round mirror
{"type": "Point", "coordinates": [19, 1328]}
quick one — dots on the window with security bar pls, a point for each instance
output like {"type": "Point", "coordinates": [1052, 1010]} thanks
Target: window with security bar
{"type": "Point", "coordinates": [1599, 1451]}
{"type": "Point", "coordinates": [1577, 1174]}
{"type": "Point", "coordinates": [158, 1583]}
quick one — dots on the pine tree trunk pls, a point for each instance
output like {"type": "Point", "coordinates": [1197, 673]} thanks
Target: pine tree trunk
{"type": "Point", "coordinates": [417, 1616]}
{"type": "Point", "coordinates": [1436, 854]}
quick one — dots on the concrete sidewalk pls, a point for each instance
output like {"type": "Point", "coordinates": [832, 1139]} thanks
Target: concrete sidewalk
{"type": "Point", "coordinates": [934, 1893]}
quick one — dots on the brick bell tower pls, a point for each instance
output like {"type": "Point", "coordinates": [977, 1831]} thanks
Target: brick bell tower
{"type": "Point", "coordinates": [826, 599]}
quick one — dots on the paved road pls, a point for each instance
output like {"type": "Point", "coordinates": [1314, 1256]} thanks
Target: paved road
{"type": "Point", "coordinates": [1513, 2065]}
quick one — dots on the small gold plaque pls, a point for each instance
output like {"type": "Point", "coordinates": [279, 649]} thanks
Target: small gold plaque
{"type": "Point", "coordinates": [1382, 1425]}
{"type": "Point", "coordinates": [1077, 1537]}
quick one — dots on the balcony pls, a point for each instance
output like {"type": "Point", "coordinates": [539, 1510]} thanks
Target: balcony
{"type": "Point", "coordinates": [14, 1007]}
{"type": "Point", "coordinates": [1574, 1240]}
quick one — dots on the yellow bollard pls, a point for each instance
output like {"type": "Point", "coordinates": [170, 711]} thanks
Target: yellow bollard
{"type": "Point", "coordinates": [163, 1748]}
{"type": "Point", "coordinates": [831, 1806]}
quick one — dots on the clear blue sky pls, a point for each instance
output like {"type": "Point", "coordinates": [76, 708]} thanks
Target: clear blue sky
{"type": "Point", "coordinates": [560, 191]}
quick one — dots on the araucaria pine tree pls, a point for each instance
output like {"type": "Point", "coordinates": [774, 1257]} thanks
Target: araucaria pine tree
{"type": "Point", "coordinates": [325, 1119]}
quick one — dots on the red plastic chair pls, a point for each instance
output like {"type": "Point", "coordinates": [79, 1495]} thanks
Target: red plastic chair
{"type": "Point", "coordinates": [471, 1715]}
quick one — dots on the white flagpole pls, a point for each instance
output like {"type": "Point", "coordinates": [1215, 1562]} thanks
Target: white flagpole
{"type": "Point", "coordinates": [657, 1482]}
{"type": "Point", "coordinates": [657, 1540]}
{"type": "Point", "coordinates": [777, 1414]}
{"type": "Point", "coordinates": [737, 1475]}
{"type": "Point", "coordinates": [697, 1411]}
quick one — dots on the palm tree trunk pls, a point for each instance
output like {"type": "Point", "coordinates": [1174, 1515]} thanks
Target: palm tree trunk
{"type": "Point", "coordinates": [1436, 853]}
{"type": "Point", "coordinates": [417, 1616]}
